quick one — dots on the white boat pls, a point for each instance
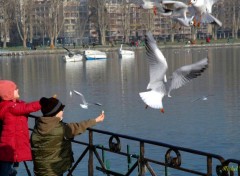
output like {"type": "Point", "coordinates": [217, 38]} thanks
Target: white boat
{"type": "Point", "coordinates": [73, 58]}
{"type": "Point", "coordinates": [125, 53]}
{"type": "Point", "coordinates": [94, 54]}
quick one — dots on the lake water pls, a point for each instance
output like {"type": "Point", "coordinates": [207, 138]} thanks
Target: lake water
{"type": "Point", "coordinates": [211, 126]}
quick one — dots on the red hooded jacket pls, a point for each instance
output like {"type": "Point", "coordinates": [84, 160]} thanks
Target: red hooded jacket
{"type": "Point", "coordinates": [14, 136]}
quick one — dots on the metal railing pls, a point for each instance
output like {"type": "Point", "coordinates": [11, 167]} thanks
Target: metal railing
{"type": "Point", "coordinates": [172, 157]}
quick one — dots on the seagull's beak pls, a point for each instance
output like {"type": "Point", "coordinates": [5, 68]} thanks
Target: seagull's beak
{"type": "Point", "coordinates": [162, 110]}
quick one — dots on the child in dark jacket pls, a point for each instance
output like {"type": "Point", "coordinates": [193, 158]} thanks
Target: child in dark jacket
{"type": "Point", "coordinates": [51, 139]}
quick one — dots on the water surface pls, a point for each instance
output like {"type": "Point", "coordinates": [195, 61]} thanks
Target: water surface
{"type": "Point", "coordinates": [211, 126]}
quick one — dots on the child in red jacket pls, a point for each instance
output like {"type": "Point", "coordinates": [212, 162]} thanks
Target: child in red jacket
{"type": "Point", "coordinates": [14, 134]}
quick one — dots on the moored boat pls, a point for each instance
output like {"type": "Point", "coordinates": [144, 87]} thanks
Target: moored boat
{"type": "Point", "coordinates": [94, 54]}
{"type": "Point", "coordinates": [73, 58]}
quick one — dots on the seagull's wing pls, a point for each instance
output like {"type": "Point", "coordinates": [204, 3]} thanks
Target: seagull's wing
{"type": "Point", "coordinates": [149, 4]}
{"type": "Point", "coordinates": [174, 5]}
{"type": "Point", "coordinates": [83, 98]}
{"type": "Point", "coordinates": [191, 11]}
{"type": "Point", "coordinates": [185, 21]}
{"type": "Point", "coordinates": [209, 4]}
{"type": "Point", "coordinates": [157, 62]}
{"type": "Point", "coordinates": [209, 18]}
{"type": "Point", "coordinates": [178, 9]}
{"type": "Point", "coordinates": [185, 74]}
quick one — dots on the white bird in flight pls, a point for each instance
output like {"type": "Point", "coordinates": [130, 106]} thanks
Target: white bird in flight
{"type": "Point", "coordinates": [178, 11]}
{"type": "Point", "coordinates": [203, 11]}
{"type": "Point", "coordinates": [204, 98]}
{"type": "Point", "coordinates": [85, 103]}
{"type": "Point", "coordinates": [158, 67]}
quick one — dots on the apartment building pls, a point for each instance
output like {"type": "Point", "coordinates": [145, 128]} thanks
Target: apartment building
{"type": "Point", "coordinates": [140, 21]}
{"type": "Point", "coordinates": [123, 19]}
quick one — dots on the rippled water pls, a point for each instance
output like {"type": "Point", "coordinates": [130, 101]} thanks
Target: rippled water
{"type": "Point", "coordinates": [211, 126]}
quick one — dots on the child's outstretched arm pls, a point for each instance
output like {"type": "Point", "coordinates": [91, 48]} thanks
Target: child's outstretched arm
{"type": "Point", "coordinates": [73, 129]}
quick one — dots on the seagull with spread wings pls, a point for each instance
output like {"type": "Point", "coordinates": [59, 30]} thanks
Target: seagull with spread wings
{"type": "Point", "coordinates": [158, 67]}
{"type": "Point", "coordinates": [179, 11]}
{"type": "Point", "coordinates": [85, 103]}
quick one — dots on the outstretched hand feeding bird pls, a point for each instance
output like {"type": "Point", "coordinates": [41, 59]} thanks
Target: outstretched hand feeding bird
{"type": "Point", "coordinates": [158, 68]}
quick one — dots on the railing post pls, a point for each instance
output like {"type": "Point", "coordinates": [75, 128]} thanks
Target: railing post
{"type": "Point", "coordinates": [209, 166]}
{"type": "Point", "coordinates": [129, 160]}
{"type": "Point", "coordinates": [141, 160]}
{"type": "Point", "coordinates": [90, 160]}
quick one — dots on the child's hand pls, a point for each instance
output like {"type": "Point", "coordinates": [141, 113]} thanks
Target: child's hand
{"type": "Point", "coordinates": [100, 118]}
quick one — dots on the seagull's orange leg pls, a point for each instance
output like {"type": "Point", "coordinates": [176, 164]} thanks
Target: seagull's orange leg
{"type": "Point", "coordinates": [199, 22]}
{"type": "Point", "coordinates": [194, 22]}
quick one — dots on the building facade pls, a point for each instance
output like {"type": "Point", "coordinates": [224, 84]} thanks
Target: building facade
{"type": "Point", "coordinates": [125, 22]}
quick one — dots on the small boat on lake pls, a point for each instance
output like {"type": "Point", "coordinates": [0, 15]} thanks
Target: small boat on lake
{"type": "Point", "coordinates": [125, 53]}
{"type": "Point", "coordinates": [73, 58]}
{"type": "Point", "coordinates": [94, 54]}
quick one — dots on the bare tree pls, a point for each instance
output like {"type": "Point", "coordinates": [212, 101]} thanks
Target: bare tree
{"type": "Point", "coordinates": [39, 23]}
{"type": "Point", "coordinates": [147, 19]}
{"type": "Point", "coordinates": [7, 12]}
{"type": "Point", "coordinates": [125, 8]}
{"type": "Point", "coordinates": [54, 21]}
{"type": "Point", "coordinates": [24, 13]}
{"type": "Point", "coordinates": [217, 10]}
{"type": "Point", "coordinates": [83, 20]}
{"type": "Point", "coordinates": [99, 17]}
{"type": "Point", "coordinates": [235, 17]}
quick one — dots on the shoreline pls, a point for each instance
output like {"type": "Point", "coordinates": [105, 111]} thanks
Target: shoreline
{"type": "Point", "coordinates": [59, 50]}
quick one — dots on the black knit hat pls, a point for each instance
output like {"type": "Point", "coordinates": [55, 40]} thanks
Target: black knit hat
{"type": "Point", "coordinates": [51, 106]}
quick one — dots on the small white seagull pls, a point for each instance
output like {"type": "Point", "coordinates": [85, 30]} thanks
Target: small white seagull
{"type": "Point", "coordinates": [203, 12]}
{"type": "Point", "coordinates": [158, 67]}
{"type": "Point", "coordinates": [204, 98]}
{"type": "Point", "coordinates": [178, 11]}
{"type": "Point", "coordinates": [85, 103]}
